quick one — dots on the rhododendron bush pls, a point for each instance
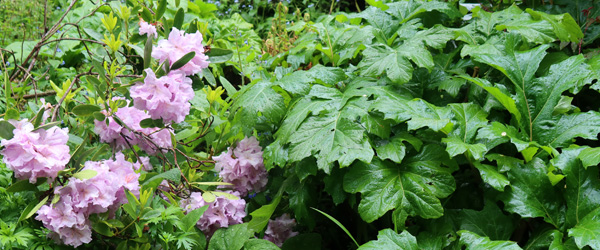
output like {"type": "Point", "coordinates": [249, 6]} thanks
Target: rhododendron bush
{"type": "Point", "coordinates": [303, 125]}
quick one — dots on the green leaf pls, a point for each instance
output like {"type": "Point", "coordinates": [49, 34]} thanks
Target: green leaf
{"type": "Point", "coordinates": [474, 241]}
{"type": "Point", "coordinates": [590, 157]}
{"type": "Point", "coordinates": [564, 26]}
{"type": "Point", "coordinates": [85, 109]}
{"type": "Point", "coordinates": [532, 195]}
{"type": "Point", "coordinates": [147, 53]}
{"type": "Point", "coordinates": [85, 174]}
{"type": "Point", "coordinates": [160, 10]}
{"type": "Point", "coordinates": [191, 218]}
{"type": "Point", "coordinates": [393, 149]}
{"type": "Point", "coordinates": [178, 19]}
{"type": "Point", "coordinates": [38, 117]}
{"type": "Point", "coordinates": [231, 238]}
{"type": "Point", "coordinates": [22, 185]}
{"type": "Point", "coordinates": [259, 244]}
{"type": "Point", "coordinates": [152, 123]}
{"type": "Point", "coordinates": [489, 222]}
{"type": "Point", "coordinates": [413, 187]}
{"type": "Point", "coordinates": [172, 175]}
{"type": "Point", "coordinates": [419, 113]}
{"type": "Point", "coordinates": [582, 186]}
{"type": "Point", "coordinates": [587, 231]}
{"type": "Point", "coordinates": [491, 176]}
{"type": "Point", "coordinates": [183, 60]}
{"type": "Point", "coordinates": [6, 130]}
{"type": "Point", "coordinates": [560, 132]}
{"type": "Point", "coordinates": [12, 114]}
{"type": "Point", "coordinates": [259, 100]}
{"type": "Point", "coordinates": [261, 216]}
{"type": "Point", "coordinates": [218, 55]}
{"type": "Point", "coordinates": [35, 209]}
{"type": "Point", "coordinates": [456, 146]}
{"type": "Point", "coordinates": [337, 223]}
{"type": "Point", "coordinates": [387, 239]}
{"type": "Point", "coordinates": [503, 98]}
{"type": "Point", "coordinates": [407, 10]}
{"type": "Point", "coordinates": [545, 239]}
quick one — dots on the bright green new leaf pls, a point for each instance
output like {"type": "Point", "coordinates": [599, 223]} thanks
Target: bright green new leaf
{"type": "Point", "coordinates": [85, 174]}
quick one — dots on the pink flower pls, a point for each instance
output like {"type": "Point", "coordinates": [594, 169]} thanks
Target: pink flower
{"type": "Point", "coordinates": [165, 98]}
{"type": "Point", "coordinates": [177, 46]}
{"type": "Point", "coordinates": [132, 117]}
{"type": "Point", "coordinates": [104, 192]}
{"type": "Point", "coordinates": [146, 28]}
{"type": "Point", "coordinates": [223, 212]}
{"type": "Point", "coordinates": [280, 229]}
{"type": "Point", "coordinates": [244, 168]}
{"type": "Point", "coordinates": [32, 154]}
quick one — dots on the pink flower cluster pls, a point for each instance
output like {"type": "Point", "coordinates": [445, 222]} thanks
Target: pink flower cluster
{"type": "Point", "coordinates": [32, 154]}
{"type": "Point", "coordinates": [166, 97]}
{"type": "Point", "coordinates": [149, 29]}
{"type": "Point", "coordinates": [280, 229]}
{"type": "Point", "coordinates": [131, 117]}
{"type": "Point", "coordinates": [220, 213]}
{"type": "Point", "coordinates": [105, 192]}
{"type": "Point", "coordinates": [178, 45]}
{"type": "Point", "coordinates": [243, 167]}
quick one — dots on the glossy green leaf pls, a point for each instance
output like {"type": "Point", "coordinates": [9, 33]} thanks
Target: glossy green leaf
{"type": "Point", "coordinates": [231, 238]}
{"type": "Point", "coordinates": [473, 241]}
{"type": "Point", "coordinates": [546, 239]}
{"type": "Point", "coordinates": [85, 109]}
{"type": "Point", "coordinates": [178, 19]}
{"type": "Point", "coordinates": [490, 222]}
{"type": "Point", "coordinates": [387, 239]}
{"type": "Point", "coordinates": [183, 60]}
{"type": "Point", "coordinates": [259, 244]}
{"type": "Point", "coordinates": [490, 175]}
{"type": "Point", "coordinates": [413, 187]}
{"type": "Point", "coordinates": [261, 216]}
{"type": "Point", "coordinates": [587, 230]}
{"type": "Point", "coordinates": [257, 101]}
{"type": "Point", "coordinates": [22, 185]}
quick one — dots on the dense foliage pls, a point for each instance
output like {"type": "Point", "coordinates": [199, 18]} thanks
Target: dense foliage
{"type": "Point", "coordinates": [302, 124]}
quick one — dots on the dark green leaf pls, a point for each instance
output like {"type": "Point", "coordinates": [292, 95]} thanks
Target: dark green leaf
{"type": "Point", "coordinates": [587, 230]}
{"type": "Point", "coordinates": [38, 117]}
{"type": "Point", "coordinates": [85, 109]}
{"type": "Point", "coordinates": [147, 52]}
{"type": "Point", "coordinates": [22, 185]}
{"type": "Point", "coordinates": [259, 244]}
{"type": "Point", "coordinates": [491, 176]}
{"type": "Point", "coordinates": [191, 218]}
{"type": "Point", "coordinates": [183, 60]}
{"type": "Point", "coordinates": [12, 114]}
{"type": "Point", "coordinates": [178, 20]}
{"type": "Point", "coordinates": [303, 242]}
{"type": "Point", "coordinates": [413, 187]}
{"type": "Point", "coordinates": [36, 208]}
{"type": "Point", "coordinates": [160, 10]}
{"type": "Point", "coordinates": [489, 222]}
{"type": "Point", "coordinates": [218, 55]}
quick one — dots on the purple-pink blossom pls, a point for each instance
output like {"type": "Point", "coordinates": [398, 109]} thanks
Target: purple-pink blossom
{"type": "Point", "coordinates": [164, 98]}
{"type": "Point", "coordinates": [149, 29]}
{"type": "Point", "coordinates": [280, 229]}
{"type": "Point", "coordinates": [178, 45]}
{"type": "Point", "coordinates": [32, 154]}
{"type": "Point", "coordinates": [148, 139]}
{"type": "Point", "coordinates": [243, 166]}
{"type": "Point", "coordinates": [105, 192]}
{"type": "Point", "coordinates": [223, 212]}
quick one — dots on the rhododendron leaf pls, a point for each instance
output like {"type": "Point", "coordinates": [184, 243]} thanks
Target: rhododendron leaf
{"type": "Point", "coordinates": [85, 174]}
{"type": "Point", "coordinates": [413, 186]}
{"type": "Point", "coordinates": [38, 117]}
{"type": "Point", "coordinates": [6, 130]}
{"type": "Point", "coordinates": [259, 244]}
{"type": "Point", "coordinates": [85, 109]}
{"type": "Point", "coordinates": [218, 55]}
{"type": "Point", "coordinates": [148, 52]}
{"type": "Point", "coordinates": [99, 116]}
{"type": "Point", "coordinates": [231, 238]}
{"type": "Point", "coordinates": [473, 241]}
{"type": "Point", "coordinates": [35, 208]}
{"type": "Point", "coordinates": [102, 228]}
{"type": "Point", "coordinates": [261, 216]}
{"type": "Point", "coordinates": [191, 218]}
{"type": "Point", "coordinates": [11, 114]}
{"type": "Point", "coordinates": [178, 19]}
{"type": "Point", "coordinates": [388, 239]}
{"type": "Point", "coordinates": [172, 175]}
{"type": "Point", "coordinates": [160, 9]}
{"type": "Point", "coordinates": [22, 185]}
{"type": "Point", "coordinates": [182, 61]}
{"type": "Point", "coordinates": [152, 123]}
